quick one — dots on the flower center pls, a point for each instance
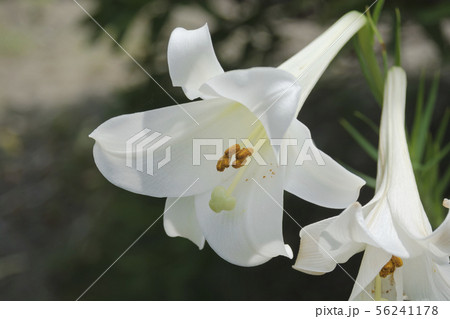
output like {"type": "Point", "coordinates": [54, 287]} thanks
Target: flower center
{"type": "Point", "coordinates": [221, 198]}
{"type": "Point", "coordinates": [389, 268]}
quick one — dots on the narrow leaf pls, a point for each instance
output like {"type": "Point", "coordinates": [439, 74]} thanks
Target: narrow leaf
{"type": "Point", "coordinates": [444, 182]}
{"type": "Point", "coordinates": [361, 140]}
{"type": "Point", "coordinates": [436, 159]}
{"type": "Point", "coordinates": [425, 120]}
{"type": "Point", "coordinates": [442, 127]}
{"type": "Point", "coordinates": [377, 11]}
{"type": "Point", "coordinates": [380, 41]}
{"type": "Point", "coordinates": [417, 116]}
{"type": "Point", "coordinates": [364, 49]}
{"type": "Point", "coordinates": [367, 121]}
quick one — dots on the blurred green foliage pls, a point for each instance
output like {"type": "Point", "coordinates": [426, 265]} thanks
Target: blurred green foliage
{"type": "Point", "coordinates": [69, 224]}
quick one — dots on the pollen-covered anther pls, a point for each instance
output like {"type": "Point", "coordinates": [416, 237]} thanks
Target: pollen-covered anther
{"type": "Point", "coordinates": [241, 157]}
{"type": "Point", "coordinates": [244, 153]}
{"type": "Point", "coordinates": [229, 152]}
{"type": "Point", "coordinates": [391, 265]}
{"type": "Point", "coordinates": [398, 262]}
{"type": "Point", "coordinates": [238, 163]}
{"type": "Point", "coordinates": [240, 154]}
{"type": "Point", "coordinates": [222, 163]}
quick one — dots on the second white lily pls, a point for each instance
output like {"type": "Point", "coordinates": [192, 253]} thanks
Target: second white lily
{"type": "Point", "coordinates": [403, 258]}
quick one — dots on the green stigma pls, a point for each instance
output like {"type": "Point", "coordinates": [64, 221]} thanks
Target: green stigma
{"type": "Point", "coordinates": [221, 200]}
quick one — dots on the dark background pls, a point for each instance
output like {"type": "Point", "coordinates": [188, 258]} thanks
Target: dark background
{"type": "Point", "coordinates": [62, 224]}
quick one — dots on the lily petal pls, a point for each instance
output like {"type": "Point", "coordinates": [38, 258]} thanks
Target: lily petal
{"type": "Point", "coordinates": [251, 233]}
{"type": "Point", "coordinates": [442, 279]}
{"type": "Point", "coordinates": [440, 238]}
{"type": "Point", "coordinates": [346, 235]}
{"type": "Point", "coordinates": [379, 222]}
{"type": "Point", "coordinates": [312, 258]}
{"type": "Point", "coordinates": [269, 93]}
{"type": "Point", "coordinates": [180, 220]}
{"type": "Point", "coordinates": [373, 261]}
{"type": "Point", "coordinates": [426, 280]}
{"type": "Point", "coordinates": [394, 162]}
{"type": "Point", "coordinates": [318, 179]}
{"type": "Point", "coordinates": [309, 64]}
{"type": "Point", "coordinates": [219, 119]}
{"type": "Point", "coordinates": [192, 60]}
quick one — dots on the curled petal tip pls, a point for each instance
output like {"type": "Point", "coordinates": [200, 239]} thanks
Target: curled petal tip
{"type": "Point", "coordinates": [308, 272]}
{"type": "Point", "coordinates": [289, 252]}
{"type": "Point", "coordinates": [446, 203]}
{"type": "Point", "coordinates": [94, 134]}
{"type": "Point", "coordinates": [356, 205]}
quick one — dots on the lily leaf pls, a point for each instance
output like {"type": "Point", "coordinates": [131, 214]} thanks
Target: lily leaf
{"type": "Point", "coordinates": [361, 140]}
{"type": "Point", "coordinates": [424, 121]}
{"type": "Point", "coordinates": [367, 121]}
{"type": "Point", "coordinates": [377, 10]}
{"type": "Point", "coordinates": [436, 159]}
{"type": "Point", "coordinates": [443, 127]}
{"type": "Point", "coordinates": [368, 59]}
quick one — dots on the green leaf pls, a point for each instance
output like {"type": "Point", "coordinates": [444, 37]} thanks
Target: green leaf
{"type": "Point", "coordinates": [367, 121]}
{"type": "Point", "coordinates": [442, 127]}
{"type": "Point", "coordinates": [366, 72]}
{"type": "Point", "coordinates": [436, 158]}
{"type": "Point", "coordinates": [417, 117]}
{"type": "Point", "coordinates": [425, 121]}
{"type": "Point", "coordinates": [369, 63]}
{"type": "Point", "coordinates": [377, 11]}
{"type": "Point", "coordinates": [443, 183]}
{"type": "Point", "coordinates": [380, 40]}
{"type": "Point", "coordinates": [361, 140]}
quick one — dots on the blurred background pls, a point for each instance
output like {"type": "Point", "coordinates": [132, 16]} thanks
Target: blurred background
{"type": "Point", "coordinates": [62, 224]}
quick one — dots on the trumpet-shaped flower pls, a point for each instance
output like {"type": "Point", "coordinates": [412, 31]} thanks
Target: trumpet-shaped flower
{"type": "Point", "coordinates": [231, 201]}
{"type": "Point", "coordinates": [403, 258]}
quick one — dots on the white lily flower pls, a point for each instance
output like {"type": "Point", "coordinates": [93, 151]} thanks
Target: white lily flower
{"type": "Point", "coordinates": [403, 258]}
{"type": "Point", "coordinates": [236, 210]}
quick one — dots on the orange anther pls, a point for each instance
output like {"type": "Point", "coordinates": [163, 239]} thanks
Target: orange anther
{"type": "Point", "coordinates": [222, 163]}
{"type": "Point", "coordinates": [244, 153]}
{"type": "Point", "coordinates": [241, 157]}
{"type": "Point", "coordinates": [398, 262]}
{"type": "Point", "coordinates": [229, 152]}
{"type": "Point", "coordinates": [238, 163]}
{"type": "Point", "coordinates": [390, 266]}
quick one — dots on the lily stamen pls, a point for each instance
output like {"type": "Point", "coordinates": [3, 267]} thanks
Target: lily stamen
{"type": "Point", "coordinates": [229, 152]}
{"type": "Point", "coordinates": [224, 161]}
{"type": "Point", "coordinates": [241, 157]}
{"type": "Point", "coordinates": [391, 265]}
{"type": "Point", "coordinates": [221, 198]}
